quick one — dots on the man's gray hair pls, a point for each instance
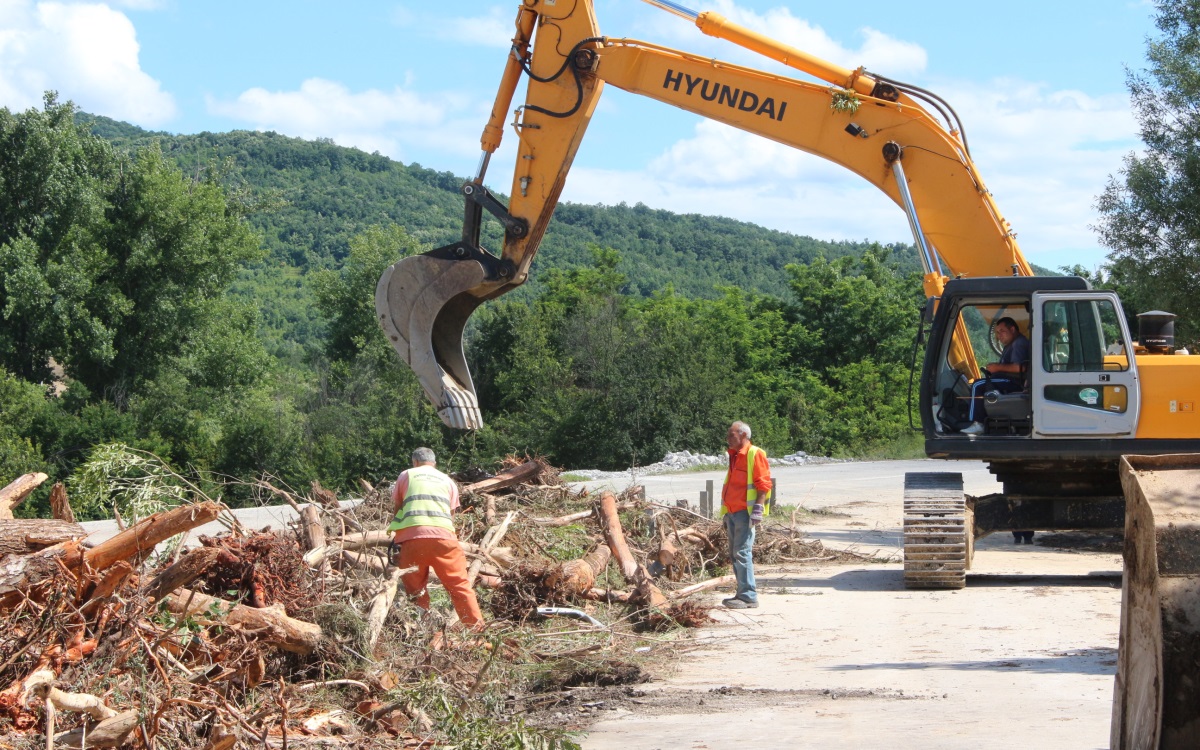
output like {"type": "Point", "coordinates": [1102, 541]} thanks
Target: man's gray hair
{"type": "Point", "coordinates": [741, 428]}
{"type": "Point", "coordinates": [423, 456]}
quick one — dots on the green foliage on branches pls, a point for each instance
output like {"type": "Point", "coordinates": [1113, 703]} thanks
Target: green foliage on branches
{"type": "Point", "coordinates": [210, 300]}
{"type": "Point", "coordinates": [1150, 212]}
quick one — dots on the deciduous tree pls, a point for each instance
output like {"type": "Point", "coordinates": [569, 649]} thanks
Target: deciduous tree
{"type": "Point", "coordinates": [1150, 211]}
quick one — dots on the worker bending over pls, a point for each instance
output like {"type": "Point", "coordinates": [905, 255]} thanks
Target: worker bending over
{"type": "Point", "coordinates": [424, 499]}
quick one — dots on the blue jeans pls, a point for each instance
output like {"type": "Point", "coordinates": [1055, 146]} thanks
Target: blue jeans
{"type": "Point", "coordinates": [978, 411]}
{"type": "Point", "coordinates": [741, 552]}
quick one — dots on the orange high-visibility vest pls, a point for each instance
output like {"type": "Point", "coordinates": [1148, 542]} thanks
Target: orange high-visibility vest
{"type": "Point", "coordinates": [751, 492]}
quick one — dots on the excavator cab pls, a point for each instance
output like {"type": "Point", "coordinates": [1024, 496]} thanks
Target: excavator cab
{"type": "Point", "coordinates": [1079, 381]}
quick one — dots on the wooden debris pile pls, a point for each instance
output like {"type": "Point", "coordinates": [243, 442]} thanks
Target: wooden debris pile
{"type": "Point", "coordinates": [277, 637]}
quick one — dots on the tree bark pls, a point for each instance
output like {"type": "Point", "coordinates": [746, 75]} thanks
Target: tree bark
{"type": "Point", "coordinates": [365, 561]}
{"type": "Point", "coordinates": [60, 506]}
{"type": "Point", "coordinates": [517, 475]}
{"type": "Point", "coordinates": [143, 536]}
{"type": "Point", "coordinates": [323, 496]}
{"type": "Point", "coordinates": [25, 572]}
{"type": "Point", "coordinates": [21, 573]}
{"type": "Point", "coordinates": [314, 530]}
{"type": "Point", "coordinates": [272, 623]}
{"type": "Point", "coordinates": [490, 540]}
{"type": "Point", "coordinates": [112, 732]}
{"type": "Point", "coordinates": [377, 538]}
{"type": "Point", "coordinates": [645, 591]}
{"type": "Point", "coordinates": [22, 536]}
{"type": "Point", "coordinates": [711, 583]}
{"type": "Point", "coordinates": [17, 490]}
{"type": "Point", "coordinates": [193, 565]}
{"type": "Point", "coordinates": [380, 606]}
{"type": "Point", "coordinates": [575, 577]}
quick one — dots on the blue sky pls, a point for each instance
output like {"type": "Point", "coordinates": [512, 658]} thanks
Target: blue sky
{"type": "Point", "coordinates": [1040, 87]}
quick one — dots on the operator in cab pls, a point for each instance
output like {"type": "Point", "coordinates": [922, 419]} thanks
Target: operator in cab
{"type": "Point", "coordinates": [1005, 376]}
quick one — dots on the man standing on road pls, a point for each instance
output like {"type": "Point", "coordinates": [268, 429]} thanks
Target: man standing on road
{"type": "Point", "coordinates": [744, 500]}
{"type": "Point", "coordinates": [424, 499]}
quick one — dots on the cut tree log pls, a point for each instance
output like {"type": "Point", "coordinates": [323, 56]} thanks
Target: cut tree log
{"type": "Point", "coordinates": [21, 573]}
{"type": "Point", "coordinates": [60, 506]}
{"type": "Point", "coordinates": [503, 557]}
{"type": "Point", "coordinates": [711, 583]}
{"type": "Point", "coordinates": [41, 684]}
{"type": "Point", "coordinates": [22, 536]}
{"type": "Point", "coordinates": [314, 530]}
{"type": "Point", "coordinates": [323, 496]}
{"type": "Point", "coordinates": [143, 536]}
{"type": "Point", "coordinates": [271, 623]}
{"type": "Point", "coordinates": [645, 592]}
{"type": "Point", "coordinates": [112, 732]}
{"type": "Point", "coordinates": [17, 490]}
{"type": "Point", "coordinates": [490, 540]}
{"type": "Point", "coordinates": [575, 577]}
{"type": "Point", "coordinates": [564, 520]}
{"type": "Point", "coordinates": [192, 566]}
{"type": "Point", "coordinates": [377, 538]}
{"type": "Point", "coordinates": [381, 605]}
{"type": "Point", "coordinates": [526, 472]}
{"type": "Point", "coordinates": [606, 595]}
{"type": "Point", "coordinates": [365, 561]}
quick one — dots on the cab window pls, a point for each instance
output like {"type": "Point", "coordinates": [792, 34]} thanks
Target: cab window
{"type": "Point", "coordinates": [1082, 336]}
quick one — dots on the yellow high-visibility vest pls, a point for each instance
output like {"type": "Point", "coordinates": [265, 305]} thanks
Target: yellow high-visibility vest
{"type": "Point", "coordinates": [426, 501]}
{"type": "Point", "coordinates": [751, 492]}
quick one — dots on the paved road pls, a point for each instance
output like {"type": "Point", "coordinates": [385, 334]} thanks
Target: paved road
{"type": "Point", "coordinates": [273, 516]}
{"type": "Point", "coordinates": [1024, 657]}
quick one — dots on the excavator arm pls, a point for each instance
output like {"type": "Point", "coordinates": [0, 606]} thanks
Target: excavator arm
{"type": "Point", "coordinates": [881, 130]}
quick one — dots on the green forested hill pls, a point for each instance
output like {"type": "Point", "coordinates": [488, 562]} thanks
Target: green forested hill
{"type": "Point", "coordinates": [321, 194]}
{"type": "Point", "coordinates": [209, 298]}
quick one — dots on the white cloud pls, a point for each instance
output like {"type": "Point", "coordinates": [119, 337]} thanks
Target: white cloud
{"type": "Point", "coordinates": [372, 120]}
{"type": "Point", "coordinates": [139, 4]}
{"type": "Point", "coordinates": [1044, 154]}
{"type": "Point", "coordinates": [492, 30]}
{"type": "Point", "coordinates": [878, 51]}
{"type": "Point", "coordinates": [87, 52]}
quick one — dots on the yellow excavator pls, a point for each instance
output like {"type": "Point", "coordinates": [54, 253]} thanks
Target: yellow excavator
{"type": "Point", "coordinates": [1087, 393]}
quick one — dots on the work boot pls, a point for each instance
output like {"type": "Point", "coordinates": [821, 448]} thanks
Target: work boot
{"type": "Point", "coordinates": [736, 603]}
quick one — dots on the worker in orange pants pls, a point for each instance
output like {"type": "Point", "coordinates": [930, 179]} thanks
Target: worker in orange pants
{"type": "Point", "coordinates": [447, 560]}
{"type": "Point", "coordinates": [424, 500]}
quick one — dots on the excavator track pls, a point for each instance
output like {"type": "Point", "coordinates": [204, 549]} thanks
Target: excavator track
{"type": "Point", "coordinates": [937, 533]}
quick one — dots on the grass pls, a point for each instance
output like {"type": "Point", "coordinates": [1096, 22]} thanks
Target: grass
{"type": "Point", "coordinates": [908, 445]}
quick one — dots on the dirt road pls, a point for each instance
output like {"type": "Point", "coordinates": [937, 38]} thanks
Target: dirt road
{"type": "Point", "coordinates": [844, 657]}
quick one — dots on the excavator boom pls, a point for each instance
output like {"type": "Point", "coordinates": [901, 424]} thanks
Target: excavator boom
{"type": "Point", "coordinates": [898, 138]}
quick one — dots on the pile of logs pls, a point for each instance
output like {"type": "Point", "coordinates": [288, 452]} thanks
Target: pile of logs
{"type": "Point", "coordinates": [135, 643]}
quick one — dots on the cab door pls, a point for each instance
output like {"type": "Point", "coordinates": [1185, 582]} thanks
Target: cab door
{"type": "Point", "coordinates": [1083, 375]}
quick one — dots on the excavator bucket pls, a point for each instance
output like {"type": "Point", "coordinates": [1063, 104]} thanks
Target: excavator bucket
{"type": "Point", "coordinates": [1157, 698]}
{"type": "Point", "coordinates": [423, 303]}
